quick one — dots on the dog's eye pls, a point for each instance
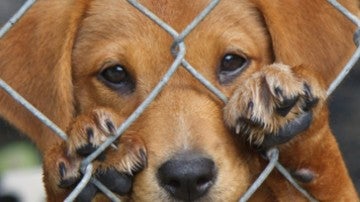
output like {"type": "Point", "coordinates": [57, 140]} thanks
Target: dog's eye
{"type": "Point", "coordinates": [118, 78]}
{"type": "Point", "coordinates": [115, 74]}
{"type": "Point", "coordinates": [231, 66]}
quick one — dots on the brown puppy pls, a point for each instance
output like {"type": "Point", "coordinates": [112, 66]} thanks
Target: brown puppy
{"type": "Point", "coordinates": [88, 64]}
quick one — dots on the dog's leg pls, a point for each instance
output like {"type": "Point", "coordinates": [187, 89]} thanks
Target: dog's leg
{"type": "Point", "coordinates": [276, 103]}
{"type": "Point", "coordinates": [114, 168]}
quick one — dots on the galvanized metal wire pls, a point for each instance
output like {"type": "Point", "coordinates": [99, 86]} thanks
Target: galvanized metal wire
{"type": "Point", "coordinates": [178, 49]}
{"type": "Point", "coordinates": [39, 115]}
{"type": "Point", "coordinates": [352, 61]}
{"type": "Point", "coordinates": [81, 185]}
{"type": "Point", "coordinates": [273, 156]}
{"type": "Point", "coordinates": [288, 176]}
{"type": "Point", "coordinates": [16, 17]}
{"type": "Point", "coordinates": [105, 190]}
{"type": "Point", "coordinates": [45, 120]}
{"type": "Point", "coordinates": [353, 18]}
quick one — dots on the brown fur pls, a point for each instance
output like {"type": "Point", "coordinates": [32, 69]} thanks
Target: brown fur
{"type": "Point", "coordinates": [52, 57]}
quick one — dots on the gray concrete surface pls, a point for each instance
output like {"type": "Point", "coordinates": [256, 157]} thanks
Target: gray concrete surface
{"type": "Point", "coordinates": [344, 105]}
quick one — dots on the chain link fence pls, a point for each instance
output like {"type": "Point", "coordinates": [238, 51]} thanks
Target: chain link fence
{"type": "Point", "coordinates": [178, 50]}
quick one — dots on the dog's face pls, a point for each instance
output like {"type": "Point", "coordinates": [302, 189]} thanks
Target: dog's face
{"type": "Point", "coordinates": [92, 62]}
{"type": "Point", "coordinates": [120, 55]}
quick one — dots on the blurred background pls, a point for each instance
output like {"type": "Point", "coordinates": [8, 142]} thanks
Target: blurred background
{"type": "Point", "coordinates": [20, 164]}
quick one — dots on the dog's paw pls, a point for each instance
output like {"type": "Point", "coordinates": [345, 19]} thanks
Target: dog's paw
{"type": "Point", "coordinates": [114, 167]}
{"type": "Point", "coordinates": [272, 105]}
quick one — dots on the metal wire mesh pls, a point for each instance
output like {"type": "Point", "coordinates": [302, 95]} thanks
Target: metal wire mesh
{"type": "Point", "coordinates": [178, 49]}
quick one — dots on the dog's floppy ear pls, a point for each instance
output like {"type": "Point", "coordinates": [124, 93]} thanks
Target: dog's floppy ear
{"type": "Point", "coordinates": [309, 32]}
{"type": "Point", "coordinates": [35, 59]}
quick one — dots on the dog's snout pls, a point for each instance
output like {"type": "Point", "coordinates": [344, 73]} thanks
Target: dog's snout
{"type": "Point", "coordinates": [188, 176]}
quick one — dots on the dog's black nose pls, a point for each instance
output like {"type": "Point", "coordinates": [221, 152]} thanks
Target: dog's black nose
{"type": "Point", "coordinates": [187, 176]}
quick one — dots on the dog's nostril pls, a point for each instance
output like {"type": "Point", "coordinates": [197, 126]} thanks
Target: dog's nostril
{"type": "Point", "coordinates": [204, 181]}
{"type": "Point", "coordinates": [173, 185]}
{"type": "Point", "coordinates": [187, 176]}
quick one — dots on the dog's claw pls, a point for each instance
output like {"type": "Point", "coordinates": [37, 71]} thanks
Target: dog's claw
{"type": "Point", "coordinates": [113, 146]}
{"type": "Point", "coordinates": [62, 169]}
{"type": "Point", "coordinates": [110, 126]}
{"type": "Point", "coordinates": [66, 182]}
{"type": "Point", "coordinates": [90, 134]}
{"type": "Point", "coordinates": [310, 100]}
{"type": "Point", "coordinates": [237, 128]}
{"type": "Point", "coordinates": [143, 157]}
